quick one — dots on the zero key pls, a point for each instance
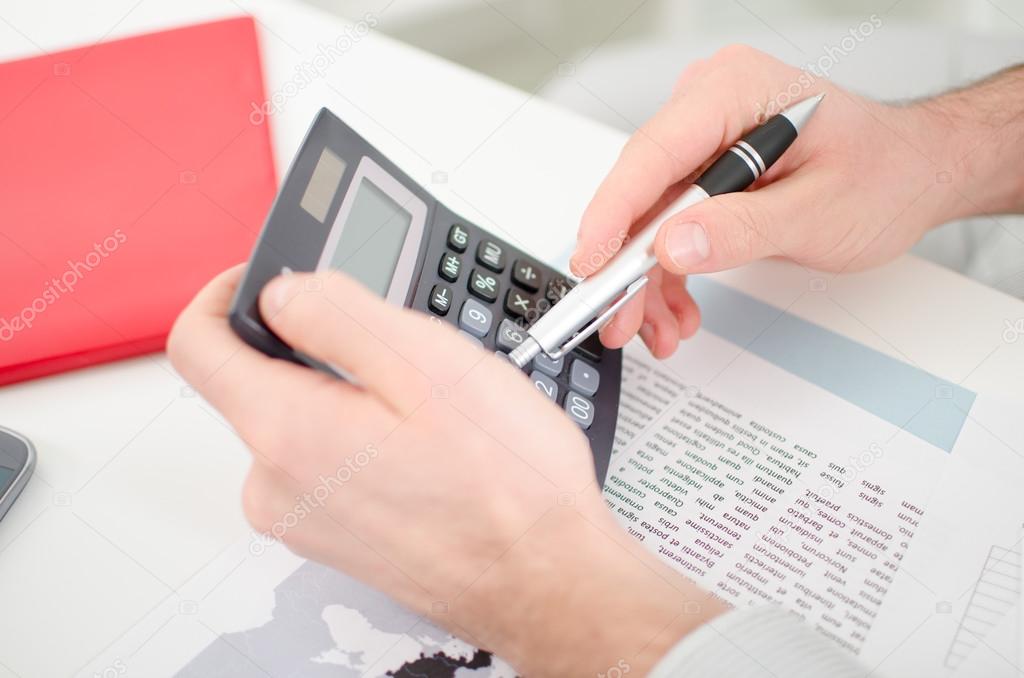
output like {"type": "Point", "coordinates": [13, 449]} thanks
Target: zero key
{"type": "Point", "coordinates": [579, 409]}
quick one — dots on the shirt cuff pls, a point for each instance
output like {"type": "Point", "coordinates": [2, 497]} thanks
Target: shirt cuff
{"type": "Point", "coordinates": [757, 642]}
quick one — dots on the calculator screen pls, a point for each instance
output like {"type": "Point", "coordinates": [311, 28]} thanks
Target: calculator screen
{"type": "Point", "coordinates": [372, 235]}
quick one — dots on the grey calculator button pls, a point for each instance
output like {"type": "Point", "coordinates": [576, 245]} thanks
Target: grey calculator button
{"type": "Point", "coordinates": [548, 366]}
{"type": "Point", "coordinates": [545, 384]}
{"type": "Point", "coordinates": [510, 335]}
{"type": "Point", "coordinates": [584, 377]}
{"type": "Point", "coordinates": [475, 318]}
{"type": "Point", "coordinates": [475, 340]}
{"type": "Point", "coordinates": [579, 409]}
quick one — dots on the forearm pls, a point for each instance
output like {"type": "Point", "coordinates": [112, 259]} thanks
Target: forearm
{"type": "Point", "coordinates": [580, 597]}
{"type": "Point", "coordinates": [977, 133]}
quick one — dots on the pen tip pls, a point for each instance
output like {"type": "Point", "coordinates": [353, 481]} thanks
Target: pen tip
{"type": "Point", "coordinates": [799, 113]}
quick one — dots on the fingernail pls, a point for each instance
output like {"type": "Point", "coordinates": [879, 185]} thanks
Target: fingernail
{"type": "Point", "coordinates": [277, 293]}
{"type": "Point", "coordinates": [687, 244]}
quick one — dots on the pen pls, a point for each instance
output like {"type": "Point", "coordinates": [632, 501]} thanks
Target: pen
{"type": "Point", "coordinates": [579, 313]}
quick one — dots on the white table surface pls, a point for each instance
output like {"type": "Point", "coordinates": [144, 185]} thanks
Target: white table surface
{"type": "Point", "coordinates": [137, 487]}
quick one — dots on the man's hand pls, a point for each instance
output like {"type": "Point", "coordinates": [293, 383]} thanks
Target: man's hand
{"type": "Point", "coordinates": [444, 479]}
{"type": "Point", "coordinates": [860, 185]}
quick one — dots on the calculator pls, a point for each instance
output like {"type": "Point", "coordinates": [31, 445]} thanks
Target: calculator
{"type": "Point", "coordinates": [344, 206]}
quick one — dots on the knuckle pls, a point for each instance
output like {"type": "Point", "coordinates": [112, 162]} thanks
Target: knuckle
{"type": "Point", "coordinates": [269, 436]}
{"type": "Point", "coordinates": [736, 53]}
{"type": "Point", "coordinates": [691, 70]}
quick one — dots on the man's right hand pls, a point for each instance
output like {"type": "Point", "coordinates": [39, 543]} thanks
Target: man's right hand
{"type": "Point", "coordinates": [861, 184]}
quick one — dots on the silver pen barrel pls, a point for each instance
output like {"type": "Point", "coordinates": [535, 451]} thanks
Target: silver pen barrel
{"type": "Point", "coordinates": [589, 298]}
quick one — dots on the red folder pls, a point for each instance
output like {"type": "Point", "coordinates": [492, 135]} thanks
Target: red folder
{"type": "Point", "coordinates": [131, 172]}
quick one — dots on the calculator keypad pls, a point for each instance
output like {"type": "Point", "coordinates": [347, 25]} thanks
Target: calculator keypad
{"type": "Point", "coordinates": [440, 299]}
{"type": "Point", "coordinates": [483, 285]}
{"type": "Point", "coordinates": [449, 267]}
{"type": "Point", "coordinates": [584, 377]}
{"type": "Point", "coordinates": [545, 384]}
{"type": "Point", "coordinates": [476, 318]}
{"type": "Point", "coordinates": [550, 367]}
{"type": "Point", "coordinates": [491, 255]}
{"type": "Point", "coordinates": [518, 304]}
{"type": "Point", "coordinates": [526, 274]}
{"type": "Point", "coordinates": [526, 290]}
{"type": "Point", "coordinates": [509, 336]}
{"type": "Point", "coordinates": [458, 238]}
{"type": "Point", "coordinates": [579, 409]}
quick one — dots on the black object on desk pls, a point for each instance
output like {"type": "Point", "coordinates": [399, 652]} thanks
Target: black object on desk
{"type": "Point", "coordinates": [345, 206]}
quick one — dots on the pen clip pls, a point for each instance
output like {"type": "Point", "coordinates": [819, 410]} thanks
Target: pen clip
{"type": "Point", "coordinates": [601, 320]}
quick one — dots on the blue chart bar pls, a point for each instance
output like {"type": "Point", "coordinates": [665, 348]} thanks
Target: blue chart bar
{"type": "Point", "coordinates": [917, 401]}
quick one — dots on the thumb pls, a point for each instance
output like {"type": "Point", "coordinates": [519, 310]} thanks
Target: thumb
{"type": "Point", "coordinates": [733, 229]}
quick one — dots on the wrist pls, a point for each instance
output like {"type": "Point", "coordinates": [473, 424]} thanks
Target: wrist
{"type": "Point", "coordinates": [977, 138]}
{"type": "Point", "coordinates": [578, 595]}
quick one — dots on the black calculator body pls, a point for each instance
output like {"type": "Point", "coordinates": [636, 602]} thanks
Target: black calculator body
{"type": "Point", "coordinates": [345, 206]}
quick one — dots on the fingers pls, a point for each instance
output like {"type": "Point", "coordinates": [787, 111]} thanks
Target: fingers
{"type": "Point", "coordinates": [626, 323]}
{"type": "Point", "coordinates": [682, 305]}
{"type": "Point", "coordinates": [211, 357]}
{"type": "Point", "coordinates": [734, 229]}
{"type": "Point", "coordinates": [393, 353]}
{"type": "Point", "coordinates": [668, 315]}
{"type": "Point", "coordinates": [681, 136]}
{"type": "Point", "coordinates": [247, 386]}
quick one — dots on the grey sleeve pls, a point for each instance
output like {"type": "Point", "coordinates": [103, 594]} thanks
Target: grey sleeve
{"type": "Point", "coordinates": [762, 641]}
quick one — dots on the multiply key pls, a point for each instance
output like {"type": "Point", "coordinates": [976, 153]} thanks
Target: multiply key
{"type": "Point", "coordinates": [518, 304]}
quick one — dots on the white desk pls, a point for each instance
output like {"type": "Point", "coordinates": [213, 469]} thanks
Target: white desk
{"type": "Point", "coordinates": [136, 495]}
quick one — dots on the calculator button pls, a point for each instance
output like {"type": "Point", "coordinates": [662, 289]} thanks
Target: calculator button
{"type": "Point", "coordinates": [510, 335]}
{"type": "Point", "coordinates": [579, 409]}
{"type": "Point", "coordinates": [491, 255]}
{"type": "Point", "coordinates": [475, 318]}
{"type": "Point", "coordinates": [557, 288]}
{"type": "Point", "coordinates": [548, 366]}
{"type": "Point", "coordinates": [449, 267]}
{"type": "Point", "coordinates": [526, 274]}
{"type": "Point", "coordinates": [518, 304]}
{"type": "Point", "coordinates": [475, 340]}
{"type": "Point", "coordinates": [545, 384]}
{"type": "Point", "coordinates": [440, 299]}
{"type": "Point", "coordinates": [458, 238]}
{"type": "Point", "coordinates": [584, 377]}
{"type": "Point", "coordinates": [483, 285]}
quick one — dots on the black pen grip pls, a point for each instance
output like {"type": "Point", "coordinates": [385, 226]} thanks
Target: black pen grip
{"type": "Point", "coordinates": [737, 168]}
{"type": "Point", "coordinates": [728, 174]}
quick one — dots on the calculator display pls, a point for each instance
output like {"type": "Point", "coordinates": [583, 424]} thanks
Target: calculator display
{"type": "Point", "coordinates": [372, 235]}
